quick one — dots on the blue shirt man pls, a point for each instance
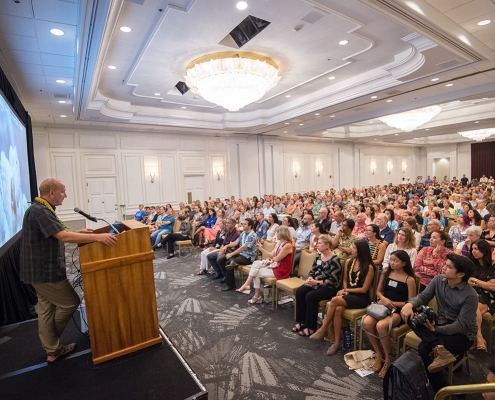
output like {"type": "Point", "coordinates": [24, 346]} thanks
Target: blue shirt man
{"type": "Point", "coordinates": [140, 214]}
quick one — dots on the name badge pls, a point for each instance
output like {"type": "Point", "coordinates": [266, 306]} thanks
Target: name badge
{"type": "Point", "coordinates": [392, 283]}
{"type": "Point", "coordinates": [318, 262]}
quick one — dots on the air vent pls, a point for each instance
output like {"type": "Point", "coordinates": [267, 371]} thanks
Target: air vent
{"type": "Point", "coordinates": [450, 63]}
{"type": "Point", "coordinates": [247, 30]}
{"type": "Point", "coordinates": [312, 17]}
{"type": "Point", "coordinates": [60, 96]}
{"type": "Point", "coordinates": [182, 87]}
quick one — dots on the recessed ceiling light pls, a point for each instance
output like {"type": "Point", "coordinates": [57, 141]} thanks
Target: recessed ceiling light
{"type": "Point", "coordinates": [62, 101]}
{"type": "Point", "coordinates": [56, 32]}
{"type": "Point", "coordinates": [331, 77]}
{"type": "Point", "coordinates": [125, 29]}
{"type": "Point", "coordinates": [485, 98]}
{"type": "Point", "coordinates": [427, 129]}
{"type": "Point", "coordinates": [183, 107]}
{"type": "Point", "coordinates": [112, 67]}
{"type": "Point", "coordinates": [60, 81]}
{"type": "Point", "coordinates": [63, 116]}
{"type": "Point", "coordinates": [332, 116]}
{"type": "Point", "coordinates": [389, 101]}
{"type": "Point", "coordinates": [396, 134]}
{"type": "Point", "coordinates": [285, 131]}
{"type": "Point", "coordinates": [241, 5]}
{"type": "Point", "coordinates": [449, 84]}
{"type": "Point", "coordinates": [157, 94]}
{"type": "Point", "coordinates": [374, 139]}
{"type": "Point", "coordinates": [288, 96]}
{"type": "Point", "coordinates": [476, 122]}
{"type": "Point", "coordinates": [301, 124]}
{"type": "Point", "coordinates": [343, 42]}
{"type": "Point", "coordinates": [286, 123]}
{"type": "Point", "coordinates": [317, 113]}
{"type": "Point", "coordinates": [435, 79]}
{"type": "Point", "coordinates": [374, 97]}
{"type": "Point", "coordinates": [484, 22]}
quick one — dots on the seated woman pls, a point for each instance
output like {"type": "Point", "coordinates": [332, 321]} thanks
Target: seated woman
{"type": "Point", "coordinates": [392, 223]}
{"type": "Point", "coordinates": [316, 231]}
{"type": "Point", "coordinates": [322, 284]}
{"type": "Point", "coordinates": [272, 227]}
{"type": "Point", "coordinates": [291, 207]}
{"type": "Point", "coordinates": [184, 233]}
{"type": "Point", "coordinates": [358, 277]}
{"type": "Point", "coordinates": [473, 233]}
{"type": "Point", "coordinates": [290, 223]}
{"type": "Point", "coordinates": [211, 233]}
{"type": "Point", "coordinates": [398, 212]}
{"type": "Point", "coordinates": [395, 287]}
{"type": "Point", "coordinates": [411, 223]}
{"type": "Point", "coordinates": [458, 233]}
{"type": "Point", "coordinates": [375, 243]}
{"type": "Point", "coordinates": [209, 223]}
{"type": "Point", "coordinates": [279, 264]}
{"type": "Point", "coordinates": [436, 213]}
{"type": "Point", "coordinates": [404, 240]}
{"type": "Point", "coordinates": [214, 245]}
{"type": "Point", "coordinates": [475, 217]}
{"type": "Point", "coordinates": [370, 215]}
{"type": "Point", "coordinates": [483, 281]}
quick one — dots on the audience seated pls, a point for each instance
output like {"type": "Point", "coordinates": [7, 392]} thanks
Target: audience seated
{"type": "Point", "coordinates": [473, 233]}
{"type": "Point", "coordinates": [376, 245]}
{"type": "Point", "coordinates": [184, 233]}
{"type": "Point", "coordinates": [164, 224]}
{"type": "Point", "coordinates": [261, 226]}
{"type": "Point", "coordinates": [272, 227]}
{"type": "Point", "coordinates": [431, 259]}
{"type": "Point", "coordinates": [404, 240]}
{"type": "Point", "coordinates": [323, 219]}
{"type": "Point", "coordinates": [361, 226]}
{"type": "Point", "coordinates": [386, 234]}
{"type": "Point", "coordinates": [433, 225]}
{"type": "Point", "coordinates": [209, 223]}
{"type": "Point", "coordinates": [277, 265]}
{"type": "Point", "coordinates": [344, 239]}
{"type": "Point", "coordinates": [219, 259]}
{"type": "Point", "coordinates": [139, 216]}
{"type": "Point", "coordinates": [458, 232]}
{"type": "Point", "coordinates": [211, 233]}
{"type": "Point", "coordinates": [214, 245]}
{"type": "Point", "coordinates": [302, 236]}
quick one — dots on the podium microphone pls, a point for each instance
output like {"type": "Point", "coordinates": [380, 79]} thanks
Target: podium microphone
{"type": "Point", "coordinates": [77, 210]}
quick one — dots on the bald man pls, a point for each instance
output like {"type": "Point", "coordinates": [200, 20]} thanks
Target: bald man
{"type": "Point", "coordinates": [43, 265]}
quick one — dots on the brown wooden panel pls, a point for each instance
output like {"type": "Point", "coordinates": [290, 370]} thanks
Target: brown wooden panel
{"type": "Point", "coordinates": [118, 262]}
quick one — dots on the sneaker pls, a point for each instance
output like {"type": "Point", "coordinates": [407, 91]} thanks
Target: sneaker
{"type": "Point", "coordinates": [441, 358]}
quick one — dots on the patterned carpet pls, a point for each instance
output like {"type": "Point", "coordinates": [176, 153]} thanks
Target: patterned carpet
{"type": "Point", "coordinates": [243, 351]}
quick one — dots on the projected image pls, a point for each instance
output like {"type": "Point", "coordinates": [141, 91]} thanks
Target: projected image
{"type": "Point", "coordinates": [14, 173]}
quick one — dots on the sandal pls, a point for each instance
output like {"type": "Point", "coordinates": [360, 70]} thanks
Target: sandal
{"type": "Point", "coordinates": [243, 288]}
{"type": "Point", "coordinates": [298, 328]}
{"type": "Point", "coordinates": [377, 366]}
{"type": "Point", "coordinates": [305, 332]}
{"type": "Point", "coordinates": [481, 346]}
{"type": "Point", "coordinates": [383, 371]}
{"type": "Point", "coordinates": [201, 272]}
{"type": "Point", "coordinates": [255, 300]}
{"type": "Point", "coordinates": [66, 350]}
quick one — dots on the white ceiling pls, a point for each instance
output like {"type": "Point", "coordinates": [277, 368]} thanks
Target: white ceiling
{"type": "Point", "coordinates": [395, 48]}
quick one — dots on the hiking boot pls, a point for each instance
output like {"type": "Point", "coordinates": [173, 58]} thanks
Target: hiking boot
{"type": "Point", "coordinates": [441, 358]}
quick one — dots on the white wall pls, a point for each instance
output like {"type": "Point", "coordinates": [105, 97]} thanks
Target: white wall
{"type": "Point", "coordinates": [249, 165]}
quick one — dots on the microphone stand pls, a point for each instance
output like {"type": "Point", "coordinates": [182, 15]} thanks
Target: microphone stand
{"type": "Point", "coordinates": [104, 220]}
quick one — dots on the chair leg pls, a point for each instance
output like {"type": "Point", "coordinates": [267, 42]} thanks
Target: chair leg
{"type": "Point", "coordinates": [294, 308]}
{"type": "Point", "coordinates": [355, 334]}
{"type": "Point", "coordinates": [450, 373]}
{"type": "Point", "coordinates": [361, 335]}
{"type": "Point", "coordinates": [490, 337]}
{"type": "Point", "coordinates": [275, 293]}
{"type": "Point", "coordinates": [468, 368]}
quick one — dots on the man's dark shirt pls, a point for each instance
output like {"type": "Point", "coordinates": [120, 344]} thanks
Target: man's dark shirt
{"type": "Point", "coordinates": [42, 254]}
{"type": "Point", "coordinates": [326, 224]}
{"type": "Point", "coordinates": [387, 235]}
{"type": "Point", "coordinates": [464, 181]}
{"type": "Point", "coordinates": [419, 219]}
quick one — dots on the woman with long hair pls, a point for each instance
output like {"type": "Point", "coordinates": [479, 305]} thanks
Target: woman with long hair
{"type": "Point", "coordinates": [375, 243]}
{"type": "Point", "coordinates": [291, 207]}
{"type": "Point", "coordinates": [370, 214]}
{"type": "Point", "coordinates": [272, 227]}
{"type": "Point", "coordinates": [392, 223]}
{"type": "Point", "coordinates": [475, 217]}
{"type": "Point", "coordinates": [358, 277]}
{"type": "Point", "coordinates": [211, 233]}
{"type": "Point", "coordinates": [483, 281]}
{"type": "Point", "coordinates": [395, 287]}
{"type": "Point", "coordinates": [209, 223]}
{"type": "Point", "coordinates": [279, 265]}
{"type": "Point", "coordinates": [404, 240]}
{"type": "Point", "coordinates": [316, 231]}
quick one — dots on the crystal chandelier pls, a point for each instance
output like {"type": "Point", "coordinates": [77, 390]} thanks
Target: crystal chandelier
{"type": "Point", "coordinates": [478, 134]}
{"type": "Point", "coordinates": [410, 120]}
{"type": "Point", "coordinates": [232, 80]}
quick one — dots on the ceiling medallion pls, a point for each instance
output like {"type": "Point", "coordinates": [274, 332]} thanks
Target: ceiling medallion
{"type": "Point", "coordinates": [410, 120]}
{"type": "Point", "coordinates": [478, 134]}
{"type": "Point", "coordinates": [232, 79]}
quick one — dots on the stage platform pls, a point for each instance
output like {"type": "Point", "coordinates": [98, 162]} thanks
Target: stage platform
{"type": "Point", "coordinates": [157, 372]}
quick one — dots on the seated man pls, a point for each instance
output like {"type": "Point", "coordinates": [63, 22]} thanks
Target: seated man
{"type": "Point", "coordinates": [218, 259]}
{"type": "Point", "coordinates": [244, 254]}
{"type": "Point", "coordinates": [139, 216]}
{"type": "Point", "coordinates": [165, 225]}
{"type": "Point", "coordinates": [268, 209]}
{"type": "Point", "coordinates": [337, 223]}
{"type": "Point", "coordinates": [152, 216]}
{"type": "Point", "coordinates": [360, 228]}
{"type": "Point", "coordinates": [279, 206]}
{"type": "Point", "coordinates": [261, 226]}
{"type": "Point", "coordinates": [344, 239]}
{"type": "Point", "coordinates": [433, 225]}
{"type": "Point", "coordinates": [324, 221]}
{"type": "Point", "coordinates": [302, 237]}
{"type": "Point", "coordinates": [455, 327]}
{"type": "Point", "coordinates": [386, 234]}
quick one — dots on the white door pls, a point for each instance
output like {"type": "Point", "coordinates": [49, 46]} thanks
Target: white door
{"type": "Point", "coordinates": [194, 184]}
{"type": "Point", "coordinates": [102, 201]}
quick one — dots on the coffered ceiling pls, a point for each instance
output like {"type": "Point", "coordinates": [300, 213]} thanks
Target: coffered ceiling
{"type": "Point", "coordinates": [328, 90]}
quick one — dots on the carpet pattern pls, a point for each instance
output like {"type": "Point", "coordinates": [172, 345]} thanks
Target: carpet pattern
{"type": "Point", "coordinates": [243, 351]}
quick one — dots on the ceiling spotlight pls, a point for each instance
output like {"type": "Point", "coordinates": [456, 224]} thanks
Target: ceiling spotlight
{"type": "Point", "coordinates": [435, 79]}
{"type": "Point", "coordinates": [63, 116]}
{"type": "Point", "coordinates": [183, 107]}
{"type": "Point", "coordinates": [157, 94]}
{"type": "Point", "coordinates": [484, 22]}
{"type": "Point", "coordinates": [389, 101]}
{"type": "Point", "coordinates": [286, 123]}
{"type": "Point", "coordinates": [449, 84]}
{"type": "Point", "coordinates": [285, 131]}
{"type": "Point", "coordinates": [374, 97]}
{"type": "Point", "coordinates": [427, 129]}
{"type": "Point", "coordinates": [288, 96]}
{"type": "Point", "coordinates": [332, 116]}
{"type": "Point", "coordinates": [60, 81]}
{"type": "Point", "coordinates": [476, 122]}
{"type": "Point", "coordinates": [56, 32]}
{"type": "Point", "coordinates": [375, 139]}
{"type": "Point", "coordinates": [125, 29]}
{"type": "Point", "coordinates": [396, 134]}
{"type": "Point", "coordinates": [317, 113]}
{"type": "Point", "coordinates": [62, 101]}
{"type": "Point", "coordinates": [112, 67]}
{"type": "Point", "coordinates": [343, 42]}
{"type": "Point", "coordinates": [241, 5]}
{"type": "Point", "coordinates": [301, 124]}
{"type": "Point", "coordinates": [331, 78]}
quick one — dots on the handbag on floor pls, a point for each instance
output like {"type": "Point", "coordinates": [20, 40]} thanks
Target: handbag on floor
{"type": "Point", "coordinates": [360, 359]}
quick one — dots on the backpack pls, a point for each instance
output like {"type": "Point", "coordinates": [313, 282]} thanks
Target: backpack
{"type": "Point", "coordinates": [406, 379]}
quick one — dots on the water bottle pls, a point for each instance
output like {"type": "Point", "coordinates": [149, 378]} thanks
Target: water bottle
{"type": "Point", "coordinates": [347, 340]}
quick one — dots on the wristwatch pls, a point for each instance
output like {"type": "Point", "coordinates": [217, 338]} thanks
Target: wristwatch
{"type": "Point", "coordinates": [476, 281]}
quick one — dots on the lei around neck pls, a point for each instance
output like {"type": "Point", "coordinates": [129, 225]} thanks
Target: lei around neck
{"type": "Point", "coordinates": [49, 206]}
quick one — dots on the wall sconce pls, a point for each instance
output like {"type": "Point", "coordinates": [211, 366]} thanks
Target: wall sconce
{"type": "Point", "coordinates": [390, 166]}
{"type": "Point", "coordinates": [218, 169]}
{"type": "Point", "coordinates": [404, 166]}
{"type": "Point", "coordinates": [297, 168]}
{"type": "Point", "coordinates": [373, 167]}
{"type": "Point", "coordinates": [319, 168]}
{"type": "Point", "coordinates": [152, 170]}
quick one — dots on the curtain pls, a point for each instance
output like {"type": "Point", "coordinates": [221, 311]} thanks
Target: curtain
{"type": "Point", "coordinates": [482, 159]}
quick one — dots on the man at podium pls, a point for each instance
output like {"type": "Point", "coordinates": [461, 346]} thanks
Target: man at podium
{"type": "Point", "coordinates": [43, 265]}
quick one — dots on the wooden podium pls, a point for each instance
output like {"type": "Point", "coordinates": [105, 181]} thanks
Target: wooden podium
{"type": "Point", "coordinates": [119, 293]}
